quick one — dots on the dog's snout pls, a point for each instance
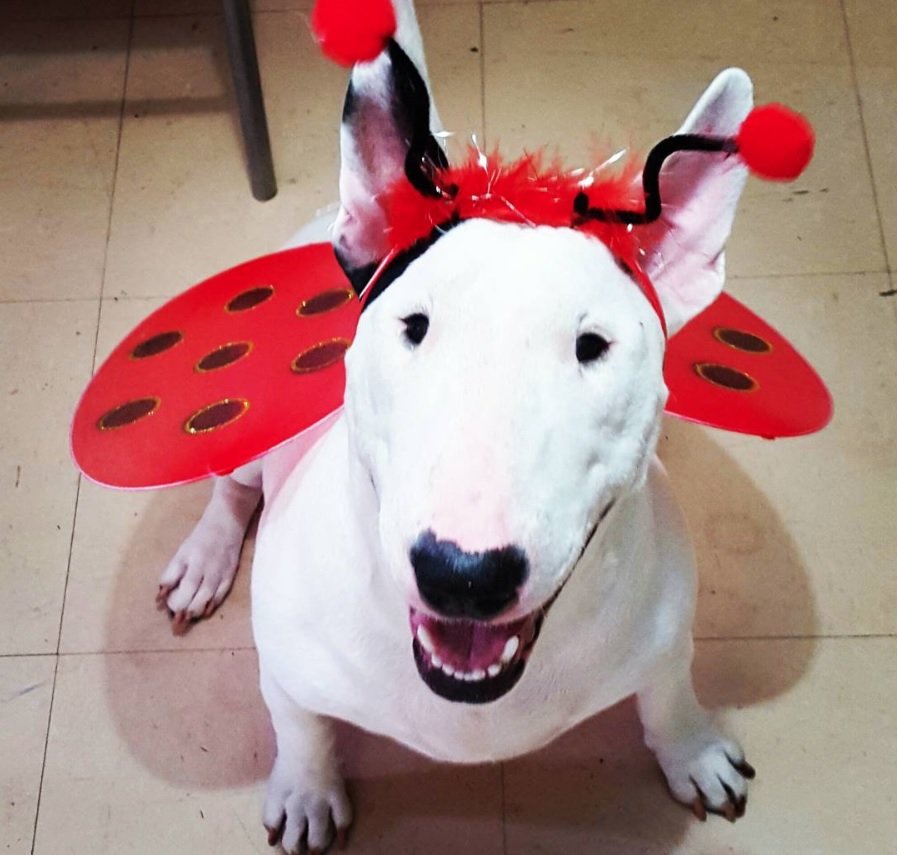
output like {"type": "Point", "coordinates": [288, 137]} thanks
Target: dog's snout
{"type": "Point", "coordinates": [459, 584]}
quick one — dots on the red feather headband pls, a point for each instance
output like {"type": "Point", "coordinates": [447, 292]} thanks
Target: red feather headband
{"type": "Point", "coordinates": [525, 192]}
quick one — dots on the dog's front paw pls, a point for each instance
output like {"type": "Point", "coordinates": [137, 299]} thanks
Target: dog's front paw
{"type": "Point", "coordinates": [312, 807]}
{"type": "Point", "coordinates": [201, 573]}
{"type": "Point", "coordinates": [709, 773]}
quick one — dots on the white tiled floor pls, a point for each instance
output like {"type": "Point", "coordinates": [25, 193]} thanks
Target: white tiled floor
{"type": "Point", "coordinates": [121, 182]}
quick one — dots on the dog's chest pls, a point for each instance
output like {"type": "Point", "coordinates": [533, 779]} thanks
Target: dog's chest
{"type": "Point", "coordinates": [358, 667]}
{"type": "Point", "coordinates": [334, 632]}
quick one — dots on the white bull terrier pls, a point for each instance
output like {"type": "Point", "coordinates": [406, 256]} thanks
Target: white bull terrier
{"type": "Point", "coordinates": [481, 550]}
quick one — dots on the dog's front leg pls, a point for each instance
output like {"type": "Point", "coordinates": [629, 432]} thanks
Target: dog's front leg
{"type": "Point", "coordinates": [306, 794]}
{"type": "Point", "coordinates": [202, 571]}
{"type": "Point", "coordinates": [704, 769]}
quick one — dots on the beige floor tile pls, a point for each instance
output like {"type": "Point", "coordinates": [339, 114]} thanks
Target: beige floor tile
{"type": "Point", "coordinates": [46, 351]}
{"type": "Point", "coordinates": [632, 82]}
{"type": "Point", "coordinates": [183, 209]}
{"type": "Point", "coordinates": [872, 25]}
{"type": "Point", "coordinates": [155, 753]}
{"type": "Point", "coordinates": [176, 752]}
{"type": "Point", "coordinates": [122, 542]}
{"type": "Point", "coordinates": [59, 106]}
{"type": "Point", "coordinates": [873, 29]}
{"type": "Point", "coordinates": [796, 537]}
{"type": "Point", "coordinates": [597, 789]}
{"type": "Point", "coordinates": [878, 85]}
{"type": "Point", "coordinates": [26, 686]}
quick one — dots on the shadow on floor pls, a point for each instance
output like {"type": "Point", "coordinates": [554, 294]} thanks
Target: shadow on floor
{"type": "Point", "coordinates": [196, 718]}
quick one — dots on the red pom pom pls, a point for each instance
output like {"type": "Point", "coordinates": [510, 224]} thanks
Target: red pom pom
{"type": "Point", "coordinates": [351, 31]}
{"type": "Point", "coordinates": [775, 142]}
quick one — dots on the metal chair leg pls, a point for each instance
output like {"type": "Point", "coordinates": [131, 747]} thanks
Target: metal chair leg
{"type": "Point", "coordinates": [248, 87]}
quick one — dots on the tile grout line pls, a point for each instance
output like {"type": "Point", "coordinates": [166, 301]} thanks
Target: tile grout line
{"type": "Point", "coordinates": [121, 124]}
{"type": "Point", "coordinates": [845, 636]}
{"type": "Point", "coordinates": [736, 277]}
{"type": "Point", "coordinates": [242, 648]}
{"type": "Point", "coordinates": [39, 300]}
{"type": "Point", "coordinates": [43, 765]}
{"type": "Point", "coordinates": [859, 104]}
{"type": "Point", "coordinates": [40, 786]}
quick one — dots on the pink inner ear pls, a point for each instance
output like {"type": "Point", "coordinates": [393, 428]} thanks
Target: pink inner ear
{"type": "Point", "coordinates": [359, 234]}
{"type": "Point", "coordinates": [683, 251]}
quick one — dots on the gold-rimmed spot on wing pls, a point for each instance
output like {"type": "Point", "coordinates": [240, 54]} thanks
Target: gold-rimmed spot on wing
{"type": "Point", "coordinates": [216, 415]}
{"type": "Point", "coordinates": [320, 356]}
{"type": "Point", "coordinates": [221, 357]}
{"type": "Point", "coordinates": [247, 300]}
{"type": "Point", "coordinates": [326, 301]}
{"type": "Point", "coordinates": [723, 375]}
{"type": "Point", "coordinates": [156, 344]}
{"type": "Point", "coordinates": [128, 413]}
{"type": "Point", "coordinates": [741, 340]}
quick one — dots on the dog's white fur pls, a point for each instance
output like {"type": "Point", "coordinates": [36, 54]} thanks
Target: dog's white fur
{"type": "Point", "coordinates": [489, 433]}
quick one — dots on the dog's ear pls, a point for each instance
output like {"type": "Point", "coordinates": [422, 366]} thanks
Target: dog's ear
{"type": "Point", "coordinates": [386, 136]}
{"type": "Point", "coordinates": [684, 249]}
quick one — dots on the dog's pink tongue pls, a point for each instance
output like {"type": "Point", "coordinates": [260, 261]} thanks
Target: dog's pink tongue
{"type": "Point", "coordinates": [468, 645]}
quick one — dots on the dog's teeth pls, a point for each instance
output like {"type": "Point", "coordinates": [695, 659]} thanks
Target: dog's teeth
{"type": "Point", "coordinates": [493, 670]}
{"type": "Point", "coordinates": [437, 662]}
{"type": "Point", "coordinates": [425, 639]}
{"type": "Point", "coordinates": [511, 646]}
{"type": "Point", "coordinates": [467, 676]}
{"type": "Point", "coordinates": [448, 670]}
{"type": "Point", "coordinates": [478, 675]}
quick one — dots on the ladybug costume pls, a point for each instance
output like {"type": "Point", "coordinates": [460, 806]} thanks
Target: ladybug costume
{"type": "Point", "coordinates": [253, 356]}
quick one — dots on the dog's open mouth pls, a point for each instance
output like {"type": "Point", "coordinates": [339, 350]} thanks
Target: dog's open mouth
{"type": "Point", "coordinates": [470, 661]}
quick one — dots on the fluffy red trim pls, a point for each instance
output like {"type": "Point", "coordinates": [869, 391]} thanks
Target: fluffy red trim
{"type": "Point", "coordinates": [523, 191]}
{"type": "Point", "coordinates": [351, 31]}
{"type": "Point", "coordinates": [775, 142]}
{"type": "Point", "coordinates": [527, 193]}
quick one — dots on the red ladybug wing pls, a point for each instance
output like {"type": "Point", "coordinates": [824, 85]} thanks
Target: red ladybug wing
{"type": "Point", "coordinates": [253, 356]}
{"type": "Point", "coordinates": [728, 368]}
{"type": "Point", "coordinates": [221, 374]}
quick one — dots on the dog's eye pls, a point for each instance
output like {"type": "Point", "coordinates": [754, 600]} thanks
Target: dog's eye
{"type": "Point", "coordinates": [589, 347]}
{"type": "Point", "coordinates": [416, 327]}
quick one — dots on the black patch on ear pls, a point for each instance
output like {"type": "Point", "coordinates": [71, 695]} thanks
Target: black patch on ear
{"type": "Point", "coordinates": [358, 276]}
{"type": "Point", "coordinates": [410, 113]}
{"type": "Point", "coordinates": [411, 109]}
{"type": "Point", "coordinates": [349, 103]}
{"type": "Point", "coordinates": [401, 262]}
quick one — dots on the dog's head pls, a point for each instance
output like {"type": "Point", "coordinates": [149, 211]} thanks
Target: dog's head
{"type": "Point", "coordinates": [506, 389]}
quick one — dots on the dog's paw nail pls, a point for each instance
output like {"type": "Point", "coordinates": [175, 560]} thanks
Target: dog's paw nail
{"type": "Point", "coordinates": [274, 835]}
{"type": "Point", "coordinates": [180, 623]}
{"type": "Point", "coordinates": [698, 809]}
{"type": "Point", "coordinates": [741, 807]}
{"type": "Point", "coordinates": [729, 811]}
{"type": "Point", "coordinates": [207, 611]}
{"type": "Point", "coordinates": [743, 768]}
{"type": "Point", "coordinates": [342, 838]}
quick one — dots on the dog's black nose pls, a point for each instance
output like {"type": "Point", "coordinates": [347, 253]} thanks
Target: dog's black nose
{"type": "Point", "coordinates": [461, 584]}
